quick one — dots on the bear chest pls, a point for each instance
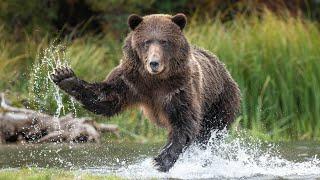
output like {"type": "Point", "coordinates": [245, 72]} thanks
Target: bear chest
{"type": "Point", "coordinates": [154, 111]}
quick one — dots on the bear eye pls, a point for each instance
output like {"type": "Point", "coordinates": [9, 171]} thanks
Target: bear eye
{"type": "Point", "coordinates": [146, 43]}
{"type": "Point", "coordinates": [163, 42]}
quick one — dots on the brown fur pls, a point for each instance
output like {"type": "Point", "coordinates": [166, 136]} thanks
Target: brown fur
{"type": "Point", "coordinates": [192, 95]}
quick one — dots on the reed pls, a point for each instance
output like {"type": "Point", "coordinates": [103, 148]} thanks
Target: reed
{"type": "Point", "coordinates": [275, 60]}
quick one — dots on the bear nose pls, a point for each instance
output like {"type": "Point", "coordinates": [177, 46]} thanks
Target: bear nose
{"type": "Point", "coordinates": [154, 65]}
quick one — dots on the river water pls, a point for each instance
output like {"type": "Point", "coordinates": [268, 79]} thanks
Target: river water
{"type": "Point", "coordinates": [226, 158]}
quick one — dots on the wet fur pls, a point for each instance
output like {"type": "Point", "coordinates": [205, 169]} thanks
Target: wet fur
{"type": "Point", "coordinates": [194, 96]}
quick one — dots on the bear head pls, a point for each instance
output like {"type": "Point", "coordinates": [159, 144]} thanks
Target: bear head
{"type": "Point", "coordinates": [158, 44]}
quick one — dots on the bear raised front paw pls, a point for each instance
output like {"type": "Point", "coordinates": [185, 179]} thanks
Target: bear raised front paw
{"type": "Point", "coordinates": [61, 74]}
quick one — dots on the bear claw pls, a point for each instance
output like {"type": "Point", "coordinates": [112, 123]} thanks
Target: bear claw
{"type": "Point", "coordinates": [163, 163]}
{"type": "Point", "coordinates": [61, 73]}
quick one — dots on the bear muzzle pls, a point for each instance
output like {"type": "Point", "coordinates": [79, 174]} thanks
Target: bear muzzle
{"type": "Point", "coordinates": [155, 66]}
{"type": "Point", "coordinates": [155, 63]}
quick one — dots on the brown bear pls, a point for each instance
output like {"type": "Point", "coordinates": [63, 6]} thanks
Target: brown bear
{"type": "Point", "coordinates": [180, 87]}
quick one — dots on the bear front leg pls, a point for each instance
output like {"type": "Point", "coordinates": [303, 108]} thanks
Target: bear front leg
{"type": "Point", "coordinates": [101, 98]}
{"type": "Point", "coordinates": [184, 119]}
{"type": "Point", "coordinates": [66, 80]}
{"type": "Point", "coordinates": [170, 153]}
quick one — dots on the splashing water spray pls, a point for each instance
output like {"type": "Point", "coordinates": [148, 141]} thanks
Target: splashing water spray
{"type": "Point", "coordinates": [44, 95]}
{"type": "Point", "coordinates": [226, 157]}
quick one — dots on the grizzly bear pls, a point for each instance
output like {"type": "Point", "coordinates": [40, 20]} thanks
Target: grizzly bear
{"type": "Point", "coordinates": [180, 87]}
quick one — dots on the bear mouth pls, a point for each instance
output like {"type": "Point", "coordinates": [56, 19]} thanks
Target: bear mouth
{"type": "Point", "coordinates": [156, 72]}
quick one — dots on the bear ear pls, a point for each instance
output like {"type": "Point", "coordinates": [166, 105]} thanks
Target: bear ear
{"type": "Point", "coordinates": [134, 20]}
{"type": "Point", "coordinates": [180, 20]}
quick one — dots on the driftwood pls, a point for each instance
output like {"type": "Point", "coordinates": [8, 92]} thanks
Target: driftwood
{"type": "Point", "coordinates": [25, 125]}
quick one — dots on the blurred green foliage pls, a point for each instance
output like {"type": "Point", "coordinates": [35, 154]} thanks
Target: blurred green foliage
{"type": "Point", "coordinates": [77, 17]}
{"type": "Point", "coordinates": [27, 15]}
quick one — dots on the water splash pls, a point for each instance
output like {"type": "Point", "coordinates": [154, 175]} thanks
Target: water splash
{"type": "Point", "coordinates": [45, 96]}
{"type": "Point", "coordinates": [227, 157]}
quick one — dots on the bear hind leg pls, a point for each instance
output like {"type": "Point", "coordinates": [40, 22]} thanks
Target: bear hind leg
{"type": "Point", "coordinates": [221, 114]}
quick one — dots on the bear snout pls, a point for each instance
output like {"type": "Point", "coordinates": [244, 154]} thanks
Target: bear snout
{"type": "Point", "coordinates": [155, 59]}
{"type": "Point", "coordinates": [154, 65]}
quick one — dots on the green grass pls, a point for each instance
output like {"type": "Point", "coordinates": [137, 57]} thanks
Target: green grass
{"type": "Point", "coordinates": [276, 63]}
{"type": "Point", "coordinates": [34, 174]}
{"type": "Point", "coordinates": [274, 59]}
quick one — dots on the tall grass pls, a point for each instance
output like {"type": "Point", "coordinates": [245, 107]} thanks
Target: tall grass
{"type": "Point", "coordinates": [275, 61]}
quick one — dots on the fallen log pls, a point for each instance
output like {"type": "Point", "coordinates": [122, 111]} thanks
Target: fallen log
{"type": "Point", "coordinates": [25, 125]}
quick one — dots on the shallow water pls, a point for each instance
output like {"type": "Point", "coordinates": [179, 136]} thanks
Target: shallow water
{"type": "Point", "coordinates": [226, 158]}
